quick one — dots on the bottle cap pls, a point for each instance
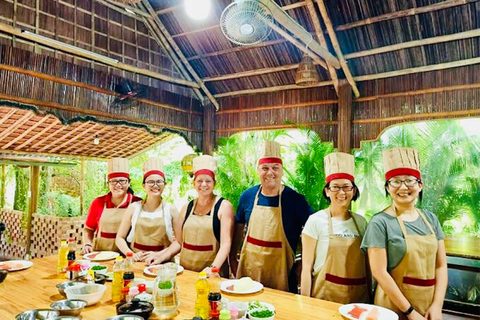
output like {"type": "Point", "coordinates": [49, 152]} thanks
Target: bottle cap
{"type": "Point", "coordinates": [118, 258]}
{"type": "Point", "coordinates": [202, 275]}
{"type": "Point", "coordinates": [130, 254]}
{"type": "Point", "coordinates": [125, 289]}
{"type": "Point", "coordinates": [64, 242]}
{"type": "Point", "coordinates": [215, 270]}
{"type": "Point", "coordinates": [142, 287]}
{"type": "Point", "coordinates": [71, 240]}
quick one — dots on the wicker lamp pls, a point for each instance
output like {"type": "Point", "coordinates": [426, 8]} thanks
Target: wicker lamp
{"type": "Point", "coordinates": [306, 72]}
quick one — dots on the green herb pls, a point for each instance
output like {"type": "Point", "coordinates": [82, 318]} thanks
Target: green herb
{"type": "Point", "coordinates": [255, 305]}
{"type": "Point", "coordinates": [98, 267]}
{"type": "Point", "coordinates": [165, 285]}
{"type": "Point", "coordinates": [262, 314]}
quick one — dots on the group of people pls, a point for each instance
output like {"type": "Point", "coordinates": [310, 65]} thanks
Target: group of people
{"type": "Point", "coordinates": [402, 247]}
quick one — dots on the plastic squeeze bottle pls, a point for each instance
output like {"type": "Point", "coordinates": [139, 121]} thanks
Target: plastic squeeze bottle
{"type": "Point", "coordinates": [202, 306]}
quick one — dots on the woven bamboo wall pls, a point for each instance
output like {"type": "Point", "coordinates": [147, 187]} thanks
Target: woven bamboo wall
{"type": "Point", "coordinates": [47, 233]}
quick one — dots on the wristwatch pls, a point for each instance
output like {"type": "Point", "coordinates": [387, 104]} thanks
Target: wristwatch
{"type": "Point", "coordinates": [410, 310]}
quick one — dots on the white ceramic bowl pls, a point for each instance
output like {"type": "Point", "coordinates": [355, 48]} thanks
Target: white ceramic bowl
{"type": "Point", "coordinates": [255, 318]}
{"type": "Point", "coordinates": [242, 307]}
{"type": "Point", "coordinates": [102, 271]}
{"type": "Point", "coordinates": [91, 293]}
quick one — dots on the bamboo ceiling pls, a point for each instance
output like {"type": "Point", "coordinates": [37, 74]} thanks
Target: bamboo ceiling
{"type": "Point", "coordinates": [24, 131]}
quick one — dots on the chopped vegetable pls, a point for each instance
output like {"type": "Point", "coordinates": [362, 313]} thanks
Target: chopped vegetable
{"type": "Point", "coordinates": [262, 313]}
{"type": "Point", "coordinates": [255, 305]}
{"type": "Point", "coordinates": [165, 285]}
{"type": "Point", "coordinates": [98, 267]}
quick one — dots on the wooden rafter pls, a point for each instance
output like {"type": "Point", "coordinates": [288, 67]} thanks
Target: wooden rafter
{"type": "Point", "coordinates": [38, 135]}
{"type": "Point", "coordinates": [24, 133]}
{"type": "Point", "coordinates": [405, 13]}
{"type": "Point", "coordinates": [272, 89]}
{"type": "Point", "coordinates": [7, 116]}
{"type": "Point", "coordinates": [110, 148]}
{"type": "Point", "coordinates": [279, 107]}
{"type": "Point", "coordinates": [16, 125]}
{"type": "Point", "coordinates": [251, 73]}
{"type": "Point", "coordinates": [47, 137]}
{"type": "Point", "coordinates": [336, 47]}
{"type": "Point", "coordinates": [82, 141]}
{"type": "Point", "coordinates": [65, 136]}
{"type": "Point", "coordinates": [180, 54]}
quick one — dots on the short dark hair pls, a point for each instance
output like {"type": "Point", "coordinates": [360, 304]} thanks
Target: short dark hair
{"type": "Point", "coordinates": [420, 195]}
{"type": "Point", "coordinates": [354, 198]}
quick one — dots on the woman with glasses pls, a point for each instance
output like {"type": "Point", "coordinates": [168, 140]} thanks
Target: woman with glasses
{"type": "Point", "coordinates": [147, 228]}
{"type": "Point", "coordinates": [106, 212]}
{"type": "Point", "coordinates": [405, 245]}
{"type": "Point", "coordinates": [206, 223]}
{"type": "Point", "coordinates": [333, 265]}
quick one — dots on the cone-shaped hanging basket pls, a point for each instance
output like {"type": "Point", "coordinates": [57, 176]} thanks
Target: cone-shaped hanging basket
{"type": "Point", "coordinates": [306, 73]}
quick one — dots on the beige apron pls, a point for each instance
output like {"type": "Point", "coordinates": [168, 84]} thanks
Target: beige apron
{"type": "Point", "coordinates": [343, 278]}
{"type": "Point", "coordinates": [200, 247]}
{"type": "Point", "coordinates": [108, 227]}
{"type": "Point", "coordinates": [415, 274]}
{"type": "Point", "coordinates": [266, 254]}
{"type": "Point", "coordinates": [150, 234]}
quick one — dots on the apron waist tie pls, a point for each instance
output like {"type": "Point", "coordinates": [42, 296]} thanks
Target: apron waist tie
{"type": "Point", "coordinates": [262, 243]}
{"type": "Point", "coordinates": [145, 247]}
{"type": "Point", "coordinates": [108, 235]}
{"type": "Point", "coordinates": [419, 282]}
{"type": "Point", "coordinates": [197, 248]}
{"type": "Point", "coordinates": [346, 281]}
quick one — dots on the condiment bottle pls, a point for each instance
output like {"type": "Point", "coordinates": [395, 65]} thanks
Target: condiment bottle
{"type": "Point", "coordinates": [71, 252]}
{"type": "Point", "coordinates": [125, 293]}
{"type": "Point", "coordinates": [132, 293]}
{"type": "Point", "coordinates": [233, 313]}
{"type": "Point", "coordinates": [62, 257]}
{"type": "Point", "coordinates": [143, 295]}
{"type": "Point", "coordinates": [117, 283]}
{"type": "Point", "coordinates": [128, 274]}
{"type": "Point", "coordinates": [73, 271]}
{"type": "Point", "coordinates": [202, 306]}
{"type": "Point", "coordinates": [225, 312]}
{"type": "Point", "coordinates": [214, 297]}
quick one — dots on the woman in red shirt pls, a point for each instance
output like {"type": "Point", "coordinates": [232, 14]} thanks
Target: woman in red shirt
{"type": "Point", "coordinates": [106, 212]}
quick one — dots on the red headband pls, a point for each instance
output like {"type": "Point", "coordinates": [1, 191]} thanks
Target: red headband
{"type": "Point", "coordinates": [401, 172]}
{"type": "Point", "coordinates": [340, 176]}
{"type": "Point", "coordinates": [205, 171]}
{"type": "Point", "coordinates": [149, 173]}
{"type": "Point", "coordinates": [118, 175]}
{"type": "Point", "coordinates": [270, 160]}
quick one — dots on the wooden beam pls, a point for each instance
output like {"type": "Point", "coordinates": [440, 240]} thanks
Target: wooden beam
{"type": "Point", "coordinates": [298, 44]}
{"type": "Point", "coordinates": [110, 148]}
{"type": "Point", "coordinates": [39, 134]}
{"type": "Point", "coordinates": [277, 107]}
{"type": "Point", "coordinates": [433, 67]}
{"type": "Point", "coordinates": [24, 133]}
{"type": "Point", "coordinates": [251, 73]}
{"type": "Point", "coordinates": [33, 205]}
{"type": "Point", "coordinates": [321, 38]}
{"type": "Point", "coordinates": [93, 126]}
{"type": "Point", "coordinates": [179, 53]}
{"type": "Point", "coordinates": [420, 116]}
{"type": "Point", "coordinates": [92, 56]}
{"type": "Point", "coordinates": [415, 43]}
{"type": "Point", "coordinates": [91, 112]}
{"type": "Point", "coordinates": [85, 144]}
{"type": "Point", "coordinates": [65, 136]}
{"type": "Point", "coordinates": [126, 7]}
{"type": "Point", "coordinates": [16, 125]}
{"type": "Point", "coordinates": [208, 141]}
{"type": "Point", "coordinates": [345, 106]}
{"type": "Point", "coordinates": [2, 186]}
{"type": "Point", "coordinates": [405, 13]}
{"type": "Point", "coordinates": [119, 10]}
{"type": "Point", "coordinates": [7, 116]}
{"type": "Point", "coordinates": [272, 89]}
{"type": "Point", "coordinates": [186, 33]}
{"type": "Point", "coordinates": [169, 9]}
{"type": "Point", "coordinates": [279, 126]}
{"type": "Point", "coordinates": [82, 185]}
{"type": "Point", "coordinates": [45, 139]}
{"type": "Point", "coordinates": [336, 46]}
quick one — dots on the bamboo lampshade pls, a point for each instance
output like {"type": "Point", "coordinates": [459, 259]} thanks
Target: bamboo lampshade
{"type": "Point", "coordinates": [306, 72]}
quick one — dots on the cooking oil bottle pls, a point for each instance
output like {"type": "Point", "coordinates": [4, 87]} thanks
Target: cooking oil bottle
{"type": "Point", "coordinates": [117, 284]}
{"type": "Point", "coordinates": [62, 258]}
{"type": "Point", "coordinates": [202, 306]}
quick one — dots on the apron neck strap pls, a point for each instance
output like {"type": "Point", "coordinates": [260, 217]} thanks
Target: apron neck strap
{"type": "Point", "coordinates": [279, 196]}
{"type": "Point", "coordinates": [426, 221]}
{"type": "Point", "coordinates": [420, 213]}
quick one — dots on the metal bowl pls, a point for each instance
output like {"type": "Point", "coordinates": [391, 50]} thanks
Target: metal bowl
{"type": "Point", "coordinates": [37, 314]}
{"type": "Point", "coordinates": [62, 286]}
{"type": "Point", "coordinates": [99, 278]}
{"type": "Point", "coordinates": [3, 275]}
{"type": "Point", "coordinates": [125, 317]}
{"type": "Point", "coordinates": [69, 307]}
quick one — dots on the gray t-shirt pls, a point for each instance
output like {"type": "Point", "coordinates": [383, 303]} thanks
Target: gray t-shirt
{"type": "Point", "coordinates": [384, 231]}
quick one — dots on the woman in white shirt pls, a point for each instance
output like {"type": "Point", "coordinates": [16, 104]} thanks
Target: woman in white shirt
{"type": "Point", "coordinates": [333, 265]}
{"type": "Point", "coordinates": [147, 226]}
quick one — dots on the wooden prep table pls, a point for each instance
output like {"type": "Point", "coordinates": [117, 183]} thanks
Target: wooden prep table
{"type": "Point", "coordinates": [34, 288]}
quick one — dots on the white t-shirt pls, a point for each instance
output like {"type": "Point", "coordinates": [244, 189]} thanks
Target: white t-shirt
{"type": "Point", "coordinates": [317, 228]}
{"type": "Point", "coordinates": [163, 211]}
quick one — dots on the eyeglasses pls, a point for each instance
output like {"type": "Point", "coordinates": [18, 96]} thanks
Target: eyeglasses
{"type": "Point", "coordinates": [396, 183]}
{"type": "Point", "coordinates": [344, 188]}
{"type": "Point", "coordinates": [152, 183]}
{"type": "Point", "coordinates": [121, 182]}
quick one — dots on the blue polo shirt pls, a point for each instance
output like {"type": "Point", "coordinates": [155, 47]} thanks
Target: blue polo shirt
{"type": "Point", "coordinates": [295, 210]}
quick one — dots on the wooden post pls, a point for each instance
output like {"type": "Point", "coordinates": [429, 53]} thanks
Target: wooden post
{"type": "Point", "coordinates": [208, 129]}
{"type": "Point", "coordinates": [82, 183]}
{"type": "Point", "coordinates": [2, 187]}
{"type": "Point", "coordinates": [344, 117]}
{"type": "Point", "coordinates": [33, 204]}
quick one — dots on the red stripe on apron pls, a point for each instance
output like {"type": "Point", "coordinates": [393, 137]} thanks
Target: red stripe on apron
{"type": "Point", "coordinates": [419, 282]}
{"type": "Point", "coordinates": [148, 248]}
{"type": "Point", "coordinates": [345, 281]}
{"type": "Point", "coordinates": [197, 248]}
{"type": "Point", "coordinates": [261, 243]}
{"type": "Point", "coordinates": [108, 235]}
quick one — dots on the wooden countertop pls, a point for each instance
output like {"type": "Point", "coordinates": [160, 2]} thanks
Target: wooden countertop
{"type": "Point", "coordinates": [35, 288]}
{"type": "Point", "coordinates": [467, 247]}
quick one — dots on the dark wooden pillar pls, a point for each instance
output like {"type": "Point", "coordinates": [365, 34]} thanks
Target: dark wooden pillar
{"type": "Point", "coordinates": [82, 184]}
{"type": "Point", "coordinates": [208, 144]}
{"type": "Point", "coordinates": [344, 139]}
{"type": "Point", "coordinates": [33, 204]}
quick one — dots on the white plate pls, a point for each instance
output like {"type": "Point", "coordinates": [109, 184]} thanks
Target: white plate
{"type": "Point", "coordinates": [383, 313]}
{"type": "Point", "coordinates": [101, 255]}
{"type": "Point", "coordinates": [152, 270]}
{"type": "Point", "coordinates": [17, 265]}
{"type": "Point", "coordinates": [226, 286]}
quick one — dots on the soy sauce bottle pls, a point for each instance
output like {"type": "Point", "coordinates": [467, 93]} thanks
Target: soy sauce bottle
{"type": "Point", "coordinates": [215, 297]}
{"type": "Point", "coordinates": [128, 274]}
{"type": "Point", "coordinates": [71, 252]}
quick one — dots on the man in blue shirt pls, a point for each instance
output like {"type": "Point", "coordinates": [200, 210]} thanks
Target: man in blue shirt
{"type": "Point", "coordinates": [275, 215]}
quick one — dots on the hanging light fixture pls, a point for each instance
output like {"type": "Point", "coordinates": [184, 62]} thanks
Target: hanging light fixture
{"type": "Point", "coordinates": [306, 73]}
